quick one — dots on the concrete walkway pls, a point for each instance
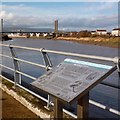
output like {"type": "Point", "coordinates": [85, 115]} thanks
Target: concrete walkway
{"type": "Point", "coordinates": [13, 109]}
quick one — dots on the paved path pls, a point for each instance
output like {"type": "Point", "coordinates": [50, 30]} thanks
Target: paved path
{"type": "Point", "coordinates": [13, 109]}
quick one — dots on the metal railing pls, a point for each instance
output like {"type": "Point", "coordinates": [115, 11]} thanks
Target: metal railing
{"type": "Point", "coordinates": [48, 65]}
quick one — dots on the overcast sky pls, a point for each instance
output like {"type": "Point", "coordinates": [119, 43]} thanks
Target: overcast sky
{"type": "Point", "coordinates": [71, 15]}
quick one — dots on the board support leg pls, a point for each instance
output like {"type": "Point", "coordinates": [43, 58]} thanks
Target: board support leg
{"type": "Point", "coordinates": [83, 106]}
{"type": "Point", "coordinates": [58, 109]}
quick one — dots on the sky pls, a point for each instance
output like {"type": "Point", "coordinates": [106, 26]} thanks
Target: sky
{"type": "Point", "coordinates": [72, 16]}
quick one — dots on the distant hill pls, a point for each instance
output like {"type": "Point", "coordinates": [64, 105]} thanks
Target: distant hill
{"type": "Point", "coordinates": [10, 29]}
{"type": "Point", "coordinates": [5, 38]}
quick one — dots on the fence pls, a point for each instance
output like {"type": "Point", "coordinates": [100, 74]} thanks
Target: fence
{"type": "Point", "coordinates": [48, 65]}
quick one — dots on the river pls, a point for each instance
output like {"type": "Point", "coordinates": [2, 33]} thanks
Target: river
{"type": "Point", "coordinates": [103, 94]}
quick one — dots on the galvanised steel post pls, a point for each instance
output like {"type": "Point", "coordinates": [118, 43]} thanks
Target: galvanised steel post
{"type": "Point", "coordinates": [48, 65]}
{"type": "Point", "coordinates": [1, 29]}
{"type": "Point", "coordinates": [46, 59]}
{"type": "Point", "coordinates": [17, 76]}
{"type": "Point", "coordinates": [116, 60]}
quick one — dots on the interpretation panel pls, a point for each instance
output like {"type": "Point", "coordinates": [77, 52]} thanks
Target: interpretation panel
{"type": "Point", "coordinates": [71, 78]}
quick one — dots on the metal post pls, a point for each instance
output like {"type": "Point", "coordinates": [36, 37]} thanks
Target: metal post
{"type": "Point", "coordinates": [17, 76]}
{"type": "Point", "coordinates": [1, 27]}
{"type": "Point", "coordinates": [82, 107]}
{"type": "Point", "coordinates": [48, 64]}
{"type": "Point", "coordinates": [1, 31]}
{"type": "Point", "coordinates": [118, 67]}
{"type": "Point", "coordinates": [116, 60]}
{"type": "Point", "coordinates": [46, 59]}
{"type": "Point", "coordinates": [58, 109]}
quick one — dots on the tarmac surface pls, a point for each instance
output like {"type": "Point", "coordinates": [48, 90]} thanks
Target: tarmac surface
{"type": "Point", "coordinates": [13, 109]}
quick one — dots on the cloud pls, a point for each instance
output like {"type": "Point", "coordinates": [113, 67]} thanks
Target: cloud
{"type": "Point", "coordinates": [29, 21]}
{"type": "Point", "coordinates": [104, 22]}
{"type": "Point", "coordinates": [103, 7]}
{"type": "Point", "coordinates": [22, 9]}
{"type": "Point", "coordinates": [85, 10]}
{"type": "Point", "coordinates": [5, 15]}
{"type": "Point", "coordinates": [65, 22]}
{"type": "Point", "coordinates": [27, 16]}
{"type": "Point", "coordinates": [61, 1]}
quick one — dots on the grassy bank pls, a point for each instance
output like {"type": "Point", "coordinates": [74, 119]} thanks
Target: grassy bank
{"type": "Point", "coordinates": [113, 42]}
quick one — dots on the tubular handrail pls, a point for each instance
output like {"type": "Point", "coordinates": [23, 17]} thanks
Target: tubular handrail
{"type": "Point", "coordinates": [81, 55]}
{"type": "Point", "coordinates": [40, 97]}
{"type": "Point", "coordinates": [25, 61]}
{"type": "Point", "coordinates": [64, 110]}
{"type": "Point", "coordinates": [43, 66]}
{"type": "Point", "coordinates": [115, 60]}
{"type": "Point", "coordinates": [29, 76]}
{"type": "Point", "coordinates": [33, 78]}
{"type": "Point", "coordinates": [7, 67]}
{"type": "Point", "coordinates": [32, 63]}
{"type": "Point", "coordinates": [62, 53]}
{"type": "Point", "coordinates": [5, 56]}
{"type": "Point", "coordinates": [110, 84]}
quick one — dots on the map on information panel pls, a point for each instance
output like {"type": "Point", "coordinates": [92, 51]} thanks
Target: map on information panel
{"type": "Point", "coordinates": [71, 78]}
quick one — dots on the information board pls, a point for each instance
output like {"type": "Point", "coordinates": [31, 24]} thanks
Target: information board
{"type": "Point", "coordinates": [71, 78]}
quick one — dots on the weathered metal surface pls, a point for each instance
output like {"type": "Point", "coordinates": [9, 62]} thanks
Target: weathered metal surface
{"type": "Point", "coordinates": [72, 78]}
{"type": "Point", "coordinates": [17, 76]}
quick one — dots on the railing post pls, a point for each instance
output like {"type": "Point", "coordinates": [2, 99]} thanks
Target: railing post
{"type": "Point", "coordinates": [46, 59]}
{"type": "Point", "coordinates": [116, 60]}
{"type": "Point", "coordinates": [17, 76]}
{"type": "Point", "coordinates": [48, 64]}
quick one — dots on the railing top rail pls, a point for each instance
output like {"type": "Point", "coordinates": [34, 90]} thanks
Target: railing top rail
{"type": "Point", "coordinates": [115, 59]}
